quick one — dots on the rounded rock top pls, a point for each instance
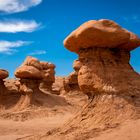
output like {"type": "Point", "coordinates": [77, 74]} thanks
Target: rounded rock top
{"type": "Point", "coordinates": [3, 74]}
{"type": "Point", "coordinates": [101, 33]}
{"type": "Point", "coordinates": [28, 72]}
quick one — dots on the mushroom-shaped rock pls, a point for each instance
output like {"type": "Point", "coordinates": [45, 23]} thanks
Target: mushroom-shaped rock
{"type": "Point", "coordinates": [3, 74]}
{"type": "Point", "coordinates": [105, 74]}
{"type": "Point", "coordinates": [31, 74]}
{"type": "Point", "coordinates": [101, 33]}
{"type": "Point", "coordinates": [104, 53]}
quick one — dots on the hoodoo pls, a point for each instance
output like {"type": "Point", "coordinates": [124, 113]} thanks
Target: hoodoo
{"type": "Point", "coordinates": [31, 74]}
{"type": "Point", "coordinates": [104, 75]}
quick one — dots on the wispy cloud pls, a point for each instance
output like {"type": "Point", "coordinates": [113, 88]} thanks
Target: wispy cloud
{"type": "Point", "coordinates": [14, 26]}
{"type": "Point", "coordinates": [132, 18]}
{"type": "Point", "coordinates": [14, 6]}
{"type": "Point", "coordinates": [38, 52]}
{"type": "Point", "coordinates": [8, 47]}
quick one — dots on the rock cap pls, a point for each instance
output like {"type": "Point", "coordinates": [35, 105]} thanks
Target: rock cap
{"type": "Point", "coordinates": [101, 33]}
{"type": "Point", "coordinates": [28, 72]}
{"type": "Point", "coordinates": [3, 74]}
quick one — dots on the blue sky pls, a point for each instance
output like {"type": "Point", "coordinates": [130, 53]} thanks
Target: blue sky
{"type": "Point", "coordinates": [38, 28]}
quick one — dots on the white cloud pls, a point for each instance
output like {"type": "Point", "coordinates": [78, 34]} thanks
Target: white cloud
{"type": "Point", "coordinates": [8, 47]}
{"type": "Point", "coordinates": [38, 52]}
{"type": "Point", "coordinates": [14, 26]}
{"type": "Point", "coordinates": [14, 6]}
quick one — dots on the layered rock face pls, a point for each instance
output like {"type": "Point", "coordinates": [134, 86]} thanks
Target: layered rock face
{"type": "Point", "coordinates": [104, 72]}
{"type": "Point", "coordinates": [31, 73]}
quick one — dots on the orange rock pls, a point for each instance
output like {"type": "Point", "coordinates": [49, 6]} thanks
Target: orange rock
{"type": "Point", "coordinates": [3, 74]}
{"type": "Point", "coordinates": [31, 61]}
{"type": "Point", "coordinates": [44, 65]}
{"type": "Point", "coordinates": [101, 33]}
{"type": "Point", "coordinates": [77, 65]}
{"type": "Point", "coordinates": [28, 72]}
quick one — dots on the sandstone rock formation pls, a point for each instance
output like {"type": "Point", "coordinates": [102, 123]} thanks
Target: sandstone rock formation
{"type": "Point", "coordinates": [71, 82]}
{"type": "Point", "coordinates": [3, 75]}
{"type": "Point", "coordinates": [58, 85]}
{"type": "Point", "coordinates": [31, 73]}
{"type": "Point", "coordinates": [104, 74]}
{"type": "Point", "coordinates": [48, 70]}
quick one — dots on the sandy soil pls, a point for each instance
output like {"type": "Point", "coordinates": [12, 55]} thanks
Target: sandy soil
{"type": "Point", "coordinates": [37, 123]}
{"type": "Point", "coordinates": [31, 128]}
{"type": "Point", "coordinates": [128, 131]}
{"type": "Point", "coordinates": [11, 130]}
